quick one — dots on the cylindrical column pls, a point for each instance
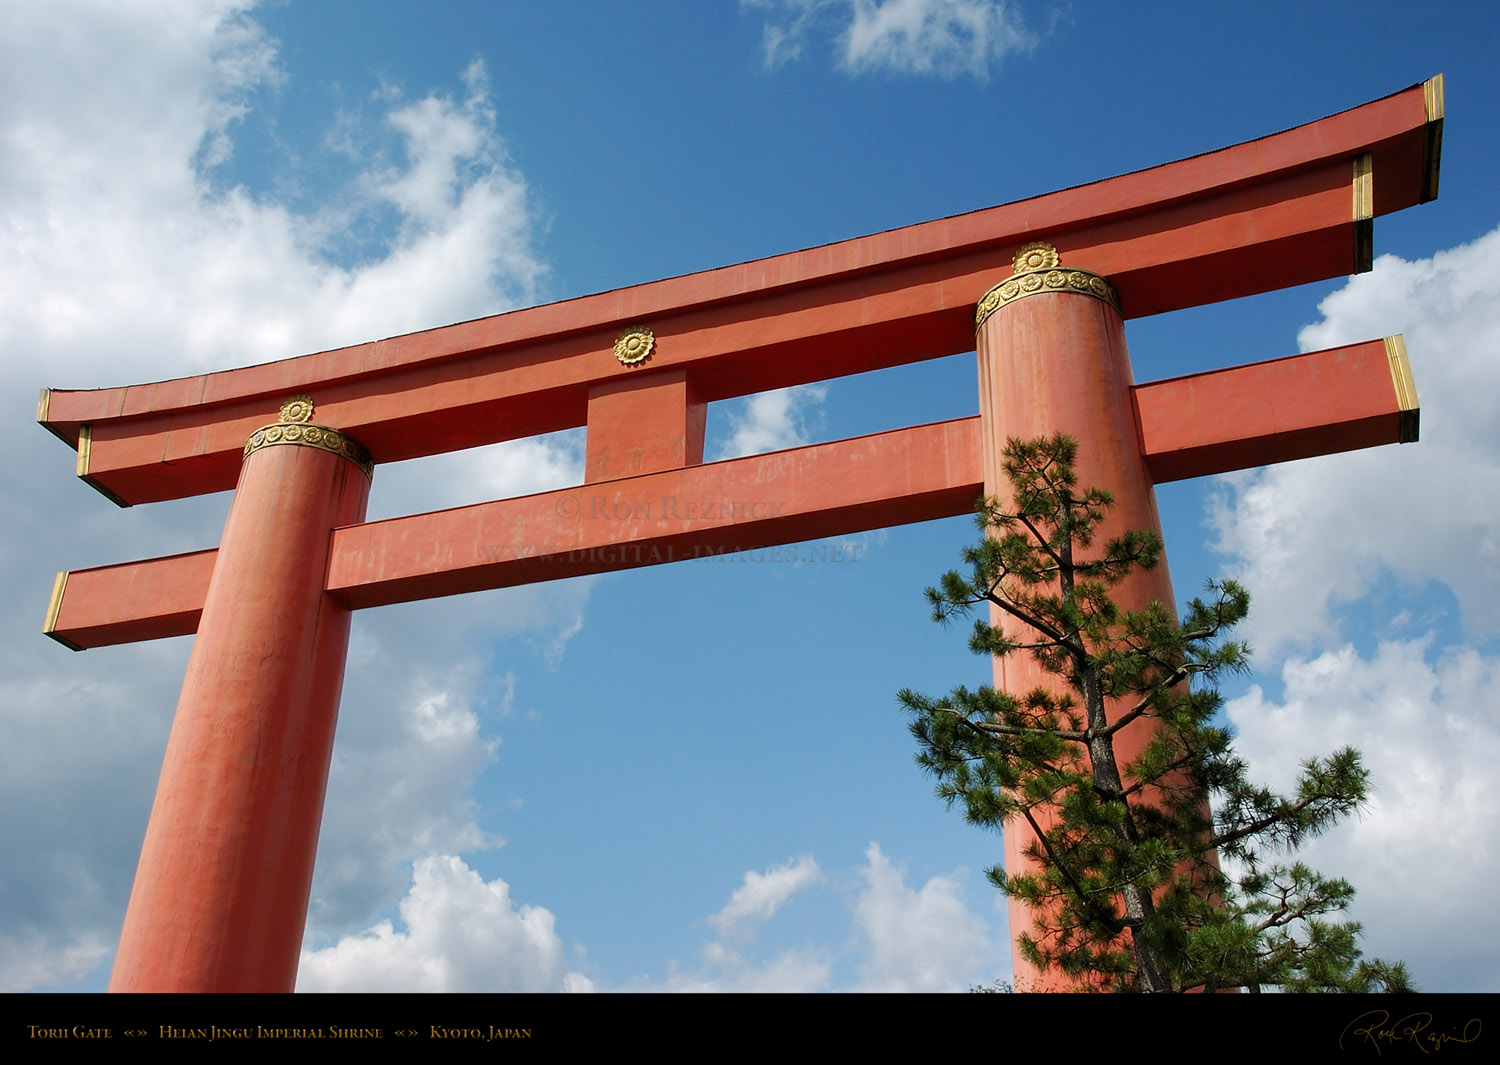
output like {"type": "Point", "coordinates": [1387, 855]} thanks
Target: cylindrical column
{"type": "Point", "coordinates": [220, 895]}
{"type": "Point", "coordinates": [1052, 359]}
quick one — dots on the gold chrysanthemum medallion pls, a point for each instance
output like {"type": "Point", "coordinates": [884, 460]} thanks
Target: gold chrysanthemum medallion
{"type": "Point", "coordinates": [635, 345]}
{"type": "Point", "coordinates": [297, 409]}
{"type": "Point", "coordinates": [1038, 255]}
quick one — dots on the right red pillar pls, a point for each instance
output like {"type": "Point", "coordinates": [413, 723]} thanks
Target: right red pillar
{"type": "Point", "coordinates": [1052, 359]}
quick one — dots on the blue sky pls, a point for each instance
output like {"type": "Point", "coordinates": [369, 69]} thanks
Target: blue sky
{"type": "Point", "coordinates": [696, 776]}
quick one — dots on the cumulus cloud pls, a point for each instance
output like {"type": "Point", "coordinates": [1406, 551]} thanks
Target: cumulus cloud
{"type": "Point", "coordinates": [899, 939]}
{"type": "Point", "coordinates": [917, 940]}
{"type": "Point", "coordinates": [1430, 734]}
{"type": "Point", "coordinates": [733, 961]}
{"type": "Point", "coordinates": [1356, 563]}
{"type": "Point", "coordinates": [1312, 535]}
{"type": "Point", "coordinates": [762, 894]}
{"type": "Point", "coordinates": [419, 702]}
{"type": "Point", "coordinates": [133, 254]}
{"type": "Point", "coordinates": [941, 38]}
{"type": "Point", "coordinates": [76, 775]}
{"type": "Point", "coordinates": [477, 475]}
{"type": "Point", "coordinates": [33, 959]}
{"type": "Point", "coordinates": [725, 970]}
{"type": "Point", "coordinates": [461, 934]}
{"type": "Point", "coordinates": [771, 421]}
{"type": "Point", "coordinates": [401, 777]}
{"type": "Point", "coordinates": [108, 185]}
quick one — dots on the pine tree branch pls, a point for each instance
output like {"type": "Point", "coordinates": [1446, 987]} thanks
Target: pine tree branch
{"type": "Point", "coordinates": [1041, 540]}
{"type": "Point", "coordinates": [1139, 785]}
{"type": "Point", "coordinates": [1104, 917]}
{"type": "Point", "coordinates": [1271, 820]}
{"type": "Point", "coordinates": [1177, 676]}
{"type": "Point", "coordinates": [1012, 730]}
{"type": "Point", "coordinates": [1027, 618]}
{"type": "Point", "coordinates": [1023, 730]}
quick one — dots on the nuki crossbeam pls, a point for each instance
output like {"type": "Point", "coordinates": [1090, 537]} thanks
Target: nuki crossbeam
{"type": "Point", "coordinates": [1039, 289]}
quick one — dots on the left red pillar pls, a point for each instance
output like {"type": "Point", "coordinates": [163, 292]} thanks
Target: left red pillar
{"type": "Point", "coordinates": [221, 891]}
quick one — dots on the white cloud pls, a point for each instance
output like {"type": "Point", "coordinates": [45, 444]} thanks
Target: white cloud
{"type": "Point", "coordinates": [461, 934]}
{"type": "Point", "coordinates": [132, 256]}
{"type": "Point", "coordinates": [771, 421]}
{"type": "Point", "coordinates": [787, 25]}
{"type": "Point", "coordinates": [413, 739]}
{"type": "Point", "coordinates": [557, 646]}
{"type": "Point", "coordinates": [795, 971]}
{"type": "Point", "coordinates": [34, 960]}
{"type": "Point", "coordinates": [105, 187]}
{"type": "Point", "coordinates": [762, 894]}
{"type": "Point", "coordinates": [77, 769]}
{"type": "Point", "coordinates": [399, 786]}
{"type": "Point", "coordinates": [1327, 547]}
{"type": "Point", "coordinates": [1419, 855]}
{"type": "Point", "coordinates": [942, 38]}
{"type": "Point", "coordinates": [900, 939]}
{"type": "Point", "coordinates": [1312, 535]}
{"type": "Point", "coordinates": [922, 940]}
{"type": "Point", "coordinates": [742, 968]}
{"type": "Point", "coordinates": [495, 471]}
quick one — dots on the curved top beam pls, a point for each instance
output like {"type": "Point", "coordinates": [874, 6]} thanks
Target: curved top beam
{"type": "Point", "coordinates": [1266, 214]}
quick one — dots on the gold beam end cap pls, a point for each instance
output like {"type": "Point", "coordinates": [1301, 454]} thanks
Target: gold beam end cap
{"type": "Point", "coordinates": [1432, 97]}
{"type": "Point", "coordinates": [54, 606]}
{"type": "Point", "coordinates": [1406, 390]}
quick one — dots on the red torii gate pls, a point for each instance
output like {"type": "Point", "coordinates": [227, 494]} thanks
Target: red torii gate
{"type": "Point", "coordinates": [220, 896]}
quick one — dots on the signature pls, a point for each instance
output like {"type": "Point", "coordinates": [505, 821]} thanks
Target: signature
{"type": "Point", "coordinates": [1377, 1028]}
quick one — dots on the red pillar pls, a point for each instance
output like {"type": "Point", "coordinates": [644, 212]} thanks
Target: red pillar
{"type": "Point", "coordinates": [1052, 358]}
{"type": "Point", "coordinates": [221, 892]}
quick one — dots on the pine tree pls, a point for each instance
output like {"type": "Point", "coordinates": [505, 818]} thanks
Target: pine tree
{"type": "Point", "coordinates": [1126, 889]}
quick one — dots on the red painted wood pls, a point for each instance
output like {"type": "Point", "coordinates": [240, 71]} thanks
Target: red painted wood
{"type": "Point", "coordinates": [1319, 403]}
{"type": "Point", "coordinates": [643, 423]}
{"type": "Point", "coordinates": [1056, 362]}
{"type": "Point", "coordinates": [220, 895]}
{"type": "Point", "coordinates": [133, 601]}
{"type": "Point", "coordinates": [805, 493]}
{"type": "Point", "coordinates": [1257, 216]}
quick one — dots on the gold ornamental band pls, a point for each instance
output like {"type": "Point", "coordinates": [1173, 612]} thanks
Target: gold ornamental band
{"type": "Point", "coordinates": [1037, 270]}
{"type": "Point", "coordinates": [296, 428]}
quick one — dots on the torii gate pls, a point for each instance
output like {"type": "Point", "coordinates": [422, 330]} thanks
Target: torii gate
{"type": "Point", "coordinates": [221, 892]}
